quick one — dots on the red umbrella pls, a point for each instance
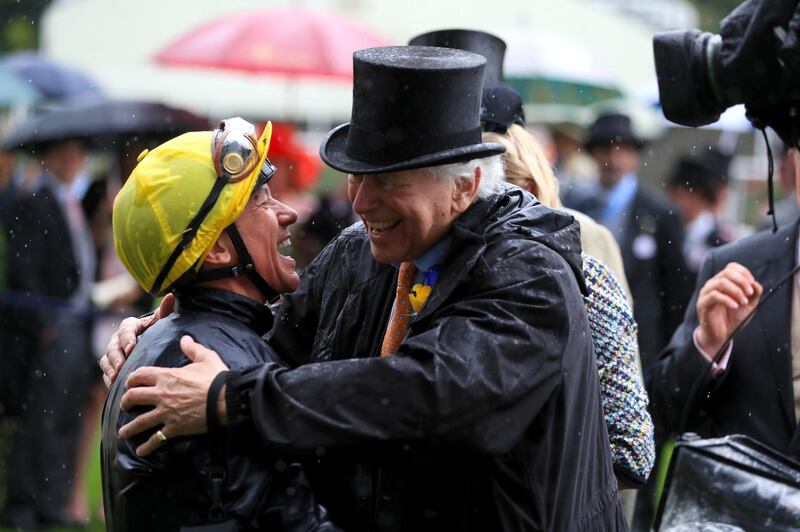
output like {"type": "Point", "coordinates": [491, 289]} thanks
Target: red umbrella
{"type": "Point", "coordinates": [290, 41]}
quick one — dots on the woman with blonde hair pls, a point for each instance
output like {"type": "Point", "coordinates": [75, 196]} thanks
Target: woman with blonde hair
{"type": "Point", "coordinates": [613, 329]}
{"type": "Point", "coordinates": [527, 167]}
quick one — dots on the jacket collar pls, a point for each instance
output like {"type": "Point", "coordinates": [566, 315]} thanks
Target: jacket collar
{"type": "Point", "coordinates": [778, 259]}
{"type": "Point", "coordinates": [257, 316]}
{"type": "Point", "coordinates": [518, 210]}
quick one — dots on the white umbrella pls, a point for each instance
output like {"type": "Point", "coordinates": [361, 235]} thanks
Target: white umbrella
{"type": "Point", "coordinates": [547, 54]}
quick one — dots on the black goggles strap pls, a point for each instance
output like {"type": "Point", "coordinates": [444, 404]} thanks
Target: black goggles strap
{"type": "Point", "coordinates": [190, 232]}
{"type": "Point", "coordinates": [248, 264]}
{"type": "Point", "coordinates": [246, 267]}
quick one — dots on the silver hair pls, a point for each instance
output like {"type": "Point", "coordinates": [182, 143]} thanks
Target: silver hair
{"type": "Point", "coordinates": [492, 173]}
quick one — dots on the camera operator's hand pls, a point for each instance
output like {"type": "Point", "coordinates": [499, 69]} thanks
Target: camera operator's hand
{"type": "Point", "coordinates": [124, 339]}
{"type": "Point", "coordinates": [724, 302]}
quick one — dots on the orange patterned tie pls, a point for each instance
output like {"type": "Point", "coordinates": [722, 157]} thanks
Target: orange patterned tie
{"type": "Point", "coordinates": [401, 316]}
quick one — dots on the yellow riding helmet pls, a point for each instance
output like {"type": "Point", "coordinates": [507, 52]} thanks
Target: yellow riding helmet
{"type": "Point", "coordinates": [182, 195]}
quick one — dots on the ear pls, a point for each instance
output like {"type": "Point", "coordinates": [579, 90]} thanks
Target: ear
{"type": "Point", "coordinates": [221, 253]}
{"type": "Point", "coordinates": [530, 186]}
{"type": "Point", "coordinates": [465, 191]}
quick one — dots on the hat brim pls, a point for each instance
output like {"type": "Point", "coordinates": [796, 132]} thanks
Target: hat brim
{"type": "Point", "coordinates": [594, 143]}
{"type": "Point", "coordinates": [332, 152]}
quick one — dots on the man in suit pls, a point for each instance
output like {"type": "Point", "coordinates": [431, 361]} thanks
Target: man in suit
{"type": "Point", "coordinates": [647, 229]}
{"type": "Point", "coordinates": [695, 187]}
{"type": "Point", "coordinates": [754, 388]}
{"type": "Point", "coordinates": [51, 269]}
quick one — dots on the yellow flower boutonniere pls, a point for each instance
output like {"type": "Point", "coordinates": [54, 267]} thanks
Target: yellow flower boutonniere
{"type": "Point", "coordinates": [418, 296]}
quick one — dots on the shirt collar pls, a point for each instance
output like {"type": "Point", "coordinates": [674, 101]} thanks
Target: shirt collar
{"type": "Point", "coordinates": [58, 188]}
{"type": "Point", "coordinates": [624, 188]}
{"type": "Point", "coordinates": [433, 257]}
{"type": "Point", "coordinates": [698, 229]}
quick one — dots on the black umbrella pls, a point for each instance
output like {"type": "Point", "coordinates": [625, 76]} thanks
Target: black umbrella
{"type": "Point", "coordinates": [102, 118]}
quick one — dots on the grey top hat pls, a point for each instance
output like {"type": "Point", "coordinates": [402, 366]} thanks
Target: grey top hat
{"type": "Point", "coordinates": [413, 107]}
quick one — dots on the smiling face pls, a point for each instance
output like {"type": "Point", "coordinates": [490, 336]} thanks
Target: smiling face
{"type": "Point", "coordinates": [264, 226]}
{"type": "Point", "coordinates": [406, 213]}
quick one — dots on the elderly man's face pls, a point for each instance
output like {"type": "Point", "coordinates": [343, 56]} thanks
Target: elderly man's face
{"type": "Point", "coordinates": [405, 213]}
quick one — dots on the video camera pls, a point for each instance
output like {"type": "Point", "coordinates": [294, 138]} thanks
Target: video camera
{"type": "Point", "coordinates": [755, 60]}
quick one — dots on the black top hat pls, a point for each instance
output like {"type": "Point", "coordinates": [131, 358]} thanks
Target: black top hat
{"type": "Point", "coordinates": [718, 163]}
{"type": "Point", "coordinates": [491, 47]}
{"type": "Point", "coordinates": [501, 106]}
{"type": "Point", "coordinates": [413, 107]}
{"type": "Point", "coordinates": [705, 174]}
{"type": "Point", "coordinates": [612, 128]}
{"type": "Point", "coordinates": [695, 174]}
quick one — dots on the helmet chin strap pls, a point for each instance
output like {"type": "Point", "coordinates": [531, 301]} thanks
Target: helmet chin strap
{"type": "Point", "coordinates": [246, 267]}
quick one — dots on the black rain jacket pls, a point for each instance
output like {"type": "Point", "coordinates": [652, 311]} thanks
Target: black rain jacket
{"type": "Point", "coordinates": [488, 418]}
{"type": "Point", "coordinates": [170, 488]}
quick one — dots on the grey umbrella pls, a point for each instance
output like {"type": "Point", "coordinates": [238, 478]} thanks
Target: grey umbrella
{"type": "Point", "coordinates": [54, 80]}
{"type": "Point", "coordinates": [102, 118]}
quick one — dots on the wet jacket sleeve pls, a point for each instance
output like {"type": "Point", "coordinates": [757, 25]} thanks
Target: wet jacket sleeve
{"type": "Point", "coordinates": [476, 377]}
{"type": "Point", "coordinates": [682, 367]}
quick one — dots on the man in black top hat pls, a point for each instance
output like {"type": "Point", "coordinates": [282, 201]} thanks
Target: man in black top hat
{"type": "Point", "coordinates": [441, 373]}
{"type": "Point", "coordinates": [492, 47]}
{"type": "Point", "coordinates": [695, 187]}
{"type": "Point", "coordinates": [498, 98]}
{"type": "Point", "coordinates": [646, 227]}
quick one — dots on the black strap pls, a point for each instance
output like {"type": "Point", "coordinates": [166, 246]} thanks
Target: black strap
{"type": "Point", "coordinates": [190, 232]}
{"type": "Point", "coordinates": [770, 185]}
{"type": "Point", "coordinates": [211, 401]}
{"type": "Point", "coordinates": [246, 267]}
{"type": "Point", "coordinates": [245, 260]}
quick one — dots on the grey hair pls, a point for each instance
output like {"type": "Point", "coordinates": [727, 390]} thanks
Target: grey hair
{"type": "Point", "coordinates": [492, 173]}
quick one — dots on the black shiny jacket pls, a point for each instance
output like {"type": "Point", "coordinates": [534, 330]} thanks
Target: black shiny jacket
{"type": "Point", "coordinates": [488, 418]}
{"type": "Point", "coordinates": [170, 488]}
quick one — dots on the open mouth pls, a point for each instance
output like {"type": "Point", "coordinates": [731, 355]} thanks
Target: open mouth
{"type": "Point", "coordinates": [285, 247]}
{"type": "Point", "coordinates": [380, 228]}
